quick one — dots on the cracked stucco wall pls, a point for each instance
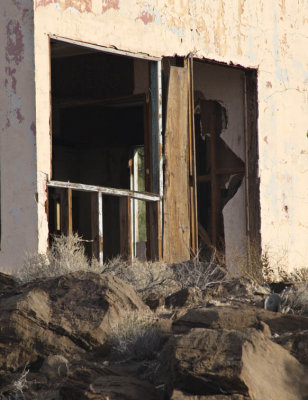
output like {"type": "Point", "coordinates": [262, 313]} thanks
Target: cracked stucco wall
{"type": "Point", "coordinates": [268, 35]}
{"type": "Point", "coordinates": [17, 133]}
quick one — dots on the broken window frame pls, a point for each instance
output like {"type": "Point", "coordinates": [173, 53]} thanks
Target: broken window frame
{"type": "Point", "coordinates": [153, 198]}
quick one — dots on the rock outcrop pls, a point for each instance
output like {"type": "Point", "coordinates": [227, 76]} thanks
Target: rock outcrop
{"type": "Point", "coordinates": [70, 315]}
{"type": "Point", "coordinates": [55, 343]}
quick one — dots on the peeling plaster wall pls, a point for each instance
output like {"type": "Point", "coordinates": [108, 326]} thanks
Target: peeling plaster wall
{"type": "Point", "coordinates": [268, 35]}
{"type": "Point", "coordinates": [17, 130]}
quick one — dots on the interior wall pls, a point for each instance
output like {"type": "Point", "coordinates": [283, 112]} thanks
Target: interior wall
{"type": "Point", "coordinates": [225, 85]}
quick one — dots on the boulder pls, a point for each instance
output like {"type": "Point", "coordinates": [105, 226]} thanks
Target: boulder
{"type": "Point", "coordinates": [69, 315]}
{"type": "Point", "coordinates": [296, 343]}
{"type": "Point", "coordinates": [178, 395]}
{"type": "Point", "coordinates": [95, 381]}
{"type": "Point", "coordinates": [238, 289]}
{"type": "Point", "coordinates": [212, 362]}
{"type": "Point", "coordinates": [184, 298]}
{"type": "Point", "coordinates": [55, 367]}
{"type": "Point", "coordinates": [7, 283]}
{"type": "Point", "coordinates": [238, 317]}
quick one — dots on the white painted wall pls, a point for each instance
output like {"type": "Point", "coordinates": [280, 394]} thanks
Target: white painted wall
{"type": "Point", "coordinates": [268, 35]}
{"type": "Point", "coordinates": [17, 134]}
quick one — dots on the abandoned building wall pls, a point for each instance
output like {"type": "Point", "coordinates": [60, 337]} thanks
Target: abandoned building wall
{"type": "Point", "coordinates": [269, 36]}
{"type": "Point", "coordinates": [226, 85]}
{"type": "Point", "coordinates": [17, 134]}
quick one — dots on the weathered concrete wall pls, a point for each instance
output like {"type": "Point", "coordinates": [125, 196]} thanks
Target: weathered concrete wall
{"type": "Point", "coordinates": [17, 130]}
{"type": "Point", "coordinates": [268, 35]}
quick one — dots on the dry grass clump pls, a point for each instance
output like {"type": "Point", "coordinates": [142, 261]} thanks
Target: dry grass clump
{"type": "Point", "coordinates": [66, 255]}
{"type": "Point", "coordinates": [138, 337]}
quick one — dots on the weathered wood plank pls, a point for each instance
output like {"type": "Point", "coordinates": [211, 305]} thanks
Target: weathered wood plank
{"type": "Point", "coordinates": [110, 191]}
{"type": "Point", "coordinates": [100, 228]}
{"type": "Point", "coordinates": [192, 158]}
{"type": "Point", "coordinates": [70, 211]}
{"type": "Point", "coordinates": [176, 197]}
{"type": "Point", "coordinates": [94, 225]}
{"type": "Point", "coordinates": [126, 239]}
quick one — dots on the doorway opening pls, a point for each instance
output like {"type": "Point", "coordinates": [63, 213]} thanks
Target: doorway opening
{"type": "Point", "coordinates": [102, 185]}
{"type": "Point", "coordinates": [211, 197]}
{"type": "Point", "coordinates": [226, 154]}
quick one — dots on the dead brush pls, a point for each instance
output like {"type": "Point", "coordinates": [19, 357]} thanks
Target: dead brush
{"type": "Point", "coordinates": [138, 337]}
{"type": "Point", "coordinates": [66, 255]}
{"type": "Point", "coordinates": [17, 388]}
{"type": "Point", "coordinates": [295, 299]}
{"type": "Point", "coordinates": [143, 276]}
{"type": "Point", "coordinates": [200, 272]}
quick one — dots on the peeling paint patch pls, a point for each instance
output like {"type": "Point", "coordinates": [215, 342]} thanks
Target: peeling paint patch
{"type": "Point", "coordinates": [107, 4]}
{"type": "Point", "coordinates": [146, 17]}
{"type": "Point", "coordinates": [220, 31]}
{"type": "Point", "coordinates": [19, 115]}
{"type": "Point", "coordinates": [10, 75]}
{"type": "Point", "coordinates": [79, 5]}
{"type": "Point", "coordinates": [18, 3]}
{"type": "Point", "coordinates": [14, 42]}
{"type": "Point", "coordinates": [33, 128]}
{"type": "Point", "coordinates": [25, 12]}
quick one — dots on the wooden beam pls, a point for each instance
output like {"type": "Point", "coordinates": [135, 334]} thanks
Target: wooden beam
{"type": "Point", "coordinates": [176, 236]}
{"type": "Point", "coordinates": [159, 232]}
{"type": "Point", "coordinates": [126, 239]}
{"type": "Point", "coordinates": [192, 158]}
{"type": "Point", "coordinates": [221, 171]}
{"type": "Point", "coordinates": [69, 212]}
{"type": "Point", "coordinates": [137, 99]}
{"type": "Point", "coordinates": [109, 191]}
{"type": "Point", "coordinates": [100, 228]}
{"type": "Point", "coordinates": [214, 188]}
{"type": "Point", "coordinates": [105, 49]}
{"type": "Point", "coordinates": [94, 225]}
{"type": "Point", "coordinates": [204, 235]}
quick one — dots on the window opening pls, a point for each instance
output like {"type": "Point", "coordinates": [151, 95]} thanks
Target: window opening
{"type": "Point", "coordinates": [102, 140]}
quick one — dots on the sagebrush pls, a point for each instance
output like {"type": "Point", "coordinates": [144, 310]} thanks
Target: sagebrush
{"type": "Point", "coordinates": [66, 255]}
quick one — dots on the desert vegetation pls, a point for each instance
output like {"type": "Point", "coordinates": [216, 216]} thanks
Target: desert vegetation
{"type": "Point", "coordinates": [146, 330]}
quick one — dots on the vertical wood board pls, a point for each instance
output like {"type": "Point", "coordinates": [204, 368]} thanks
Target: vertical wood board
{"type": "Point", "coordinates": [176, 195]}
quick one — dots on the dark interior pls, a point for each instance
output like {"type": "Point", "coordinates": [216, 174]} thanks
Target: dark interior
{"type": "Point", "coordinates": [97, 122]}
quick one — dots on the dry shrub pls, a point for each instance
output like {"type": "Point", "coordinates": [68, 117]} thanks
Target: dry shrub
{"type": "Point", "coordinates": [17, 388]}
{"type": "Point", "coordinates": [143, 276]}
{"type": "Point", "coordinates": [295, 298]}
{"type": "Point", "coordinates": [66, 255]}
{"type": "Point", "coordinates": [200, 272]}
{"type": "Point", "coordinates": [162, 278]}
{"type": "Point", "coordinates": [138, 337]}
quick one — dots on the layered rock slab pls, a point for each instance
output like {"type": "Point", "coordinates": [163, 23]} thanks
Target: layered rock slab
{"type": "Point", "coordinates": [212, 362]}
{"type": "Point", "coordinates": [69, 315]}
